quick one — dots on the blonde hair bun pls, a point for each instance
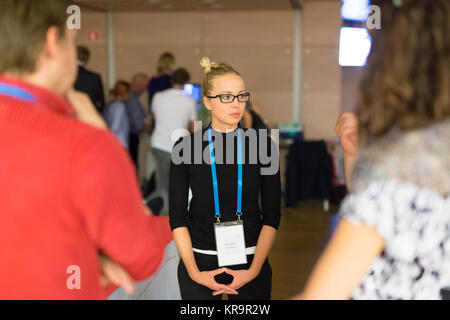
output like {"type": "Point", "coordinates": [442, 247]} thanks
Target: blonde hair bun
{"type": "Point", "coordinates": [213, 70]}
{"type": "Point", "coordinates": [207, 65]}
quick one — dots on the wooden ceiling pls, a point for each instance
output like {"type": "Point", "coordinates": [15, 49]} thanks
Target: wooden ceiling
{"type": "Point", "coordinates": [187, 5]}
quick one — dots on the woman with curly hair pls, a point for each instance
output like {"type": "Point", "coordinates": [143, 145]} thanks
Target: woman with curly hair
{"type": "Point", "coordinates": [393, 239]}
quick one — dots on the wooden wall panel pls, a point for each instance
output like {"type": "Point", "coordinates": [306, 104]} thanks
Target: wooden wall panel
{"type": "Point", "coordinates": [259, 44]}
{"type": "Point", "coordinates": [249, 28]}
{"type": "Point", "coordinates": [321, 77]}
{"type": "Point", "coordinates": [350, 87]}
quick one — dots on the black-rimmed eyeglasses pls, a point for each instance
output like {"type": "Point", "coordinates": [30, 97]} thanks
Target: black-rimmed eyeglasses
{"type": "Point", "coordinates": [229, 98]}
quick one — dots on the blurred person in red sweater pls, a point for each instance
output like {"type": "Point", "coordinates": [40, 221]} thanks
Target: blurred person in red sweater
{"type": "Point", "coordinates": [71, 212]}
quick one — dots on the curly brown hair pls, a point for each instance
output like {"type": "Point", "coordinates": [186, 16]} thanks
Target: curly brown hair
{"type": "Point", "coordinates": [407, 81]}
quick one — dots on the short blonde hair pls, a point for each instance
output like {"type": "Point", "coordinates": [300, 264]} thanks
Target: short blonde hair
{"type": "Point", "coordinates": [213, 70]}
{"type": "Point", "coordinates": [166, 61]}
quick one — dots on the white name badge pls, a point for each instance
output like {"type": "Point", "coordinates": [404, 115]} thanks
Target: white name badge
{"type": "Point", "coordinates": [230, 243]}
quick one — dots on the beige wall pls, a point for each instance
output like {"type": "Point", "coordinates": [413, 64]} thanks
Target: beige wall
{"type": "Point", "coordinates": [350, 87]}
{"type": "Point", "coordinates": [259, 44]}
{"type": "Point", "coordinates": [321, 77]}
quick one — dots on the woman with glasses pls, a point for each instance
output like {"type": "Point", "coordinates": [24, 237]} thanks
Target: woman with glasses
{"type": "Point", "coordinates": [226, 233]}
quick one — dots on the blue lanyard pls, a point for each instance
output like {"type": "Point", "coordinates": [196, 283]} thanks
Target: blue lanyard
{"type": "Point", "coordinates": [214, 176]}
{"type": "Point", "coordinates": [16, 92]}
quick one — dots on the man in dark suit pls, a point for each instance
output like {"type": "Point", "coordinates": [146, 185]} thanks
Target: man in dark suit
{"type": "Point", "coordinates": [89, 82]}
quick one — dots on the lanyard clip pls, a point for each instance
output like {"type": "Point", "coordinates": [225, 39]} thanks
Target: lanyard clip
{"type": "Point", "coordinates": [218, 219]}
{"type": "Point", "coordinates": [239, 217]}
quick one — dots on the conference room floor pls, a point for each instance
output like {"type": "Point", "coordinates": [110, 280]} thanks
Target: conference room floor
{"type": "Point", "coordinates": [302, 235]}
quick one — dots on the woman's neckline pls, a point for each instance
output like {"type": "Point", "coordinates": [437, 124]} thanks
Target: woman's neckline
{"type": "Point", "coordinates": [224, 132]}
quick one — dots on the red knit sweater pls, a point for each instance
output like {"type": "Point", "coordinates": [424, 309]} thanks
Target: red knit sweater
{"type": "Point", "coordinates": [67, 192]}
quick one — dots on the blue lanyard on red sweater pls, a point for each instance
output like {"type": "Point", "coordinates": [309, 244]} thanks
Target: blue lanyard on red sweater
{"type": "Point", "coordinates": [16, 92]}
{"type": "Point", "coordinates": [214, 176]}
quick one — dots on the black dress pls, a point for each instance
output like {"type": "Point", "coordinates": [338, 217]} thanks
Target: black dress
{"type": "Point", "coordinates": [261, 200]}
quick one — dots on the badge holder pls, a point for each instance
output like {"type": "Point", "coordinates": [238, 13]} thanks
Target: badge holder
{"type": "Point", "coordinates": [230, 240]}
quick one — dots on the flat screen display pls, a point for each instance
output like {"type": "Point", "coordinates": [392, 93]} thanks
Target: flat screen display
{"type": "Point", "coordinates": [355, 10]}
{"type": "Point", "coordinates": [193, 90]}
{"type": "Point", "coordinates": [354, 46]}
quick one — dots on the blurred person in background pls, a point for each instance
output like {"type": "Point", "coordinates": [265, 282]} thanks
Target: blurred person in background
{"type": "Point", "coordinates": [82, 198]}
{"type": "Point", "coordinates": [136, 113]}
{"type": "Point", "coordinates": [392, 241]}
{"type": "Point", "coordinates": [162, 80]}
{"type": "Point", "coordinates": [87, 81]}
{"type": "Point", "coordinates": [115, 114]}
{"type": "Point", "coordinates": [252, 117]}
{"type": "Point", "coordinates": [172, 110]}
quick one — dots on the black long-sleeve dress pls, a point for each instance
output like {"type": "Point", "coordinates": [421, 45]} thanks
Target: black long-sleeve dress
{"type": "Point", "coordinates": [261, 202]}
{"type": "Point", "coordinates": [199, 217]}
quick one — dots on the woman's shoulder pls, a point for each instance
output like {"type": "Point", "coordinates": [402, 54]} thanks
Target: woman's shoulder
{"type": "Point", "coordinates": [187, 139]}
{"type": "Point", "coordinates": [402, 213]}
{"type": "Point", "coordinates": [260, 134]}
{"type": "Point", "coordinates": [247, 133]}
{"type": "Point", "coordinates": [418, 156]}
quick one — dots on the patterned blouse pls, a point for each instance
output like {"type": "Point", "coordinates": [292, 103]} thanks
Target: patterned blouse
{"type": "Point", "coordinates": [401, 185]}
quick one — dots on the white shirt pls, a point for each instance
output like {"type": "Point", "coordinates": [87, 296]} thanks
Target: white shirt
{"type": "Point", "coordinates": [173, 111]}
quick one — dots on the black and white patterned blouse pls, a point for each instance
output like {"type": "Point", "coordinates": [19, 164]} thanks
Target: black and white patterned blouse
{"type": "Point", "coordinates": [401, 185]}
